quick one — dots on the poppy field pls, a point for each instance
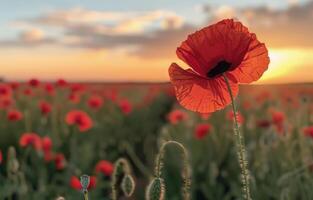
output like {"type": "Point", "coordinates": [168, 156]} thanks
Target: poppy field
{"type": "Point", "coordinates": [52, 133]}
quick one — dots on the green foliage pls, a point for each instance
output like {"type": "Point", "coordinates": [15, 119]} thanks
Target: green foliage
{"type": "Point", "coordinates": [280, 163]}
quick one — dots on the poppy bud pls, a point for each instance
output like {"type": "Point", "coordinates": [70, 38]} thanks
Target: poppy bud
{"type": "Point", "coordinates": [84, 181]}
{"type": "Point", "coordinates": [13, 164]}
{"type": "Point", "coordinates": [156, 190]}
{"type": "Point", "coordinates": [128, 185]}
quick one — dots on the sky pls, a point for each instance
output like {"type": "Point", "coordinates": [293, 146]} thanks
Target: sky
{"type": "Point", "coordinates": [135, 40]}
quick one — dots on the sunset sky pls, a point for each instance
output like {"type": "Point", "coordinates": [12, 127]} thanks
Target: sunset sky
{"type": "Point", "coordinates": [135, 40]}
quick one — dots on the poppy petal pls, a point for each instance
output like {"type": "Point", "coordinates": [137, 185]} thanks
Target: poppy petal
{"type": "Point", "coordinates": [199, 94]}
{"type": "Point", "coordinates": [254, 64]}
{"type": "Point", "coordinates": [227, 40]}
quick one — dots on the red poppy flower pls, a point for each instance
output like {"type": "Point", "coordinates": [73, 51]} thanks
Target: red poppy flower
{"type": "Point", "coordinates": [45, 107]}
{"type": "Point", "coordinates": [30, 139]}
{"type": "Point", "coordinates": [49, 88]}
{"type": "Point", "coordinates": [75, 183]}
{"type": "Point", "coordinates": [5, 103]}
{"type": "Point", "coordinates": [176, 116]}
{"type": "Point", "coordinates": [5, 91]}
{"type": "Point", "coordinates": [230, 116]}
{"type": "Point", "coordinates": [308, 131]}
{"type": "Point", "coordinates": [202, 130]}
{"type": "Point", "coordinates": [34, 82]}
{"type": "Point", "coordinates": [125, 106]}
{"type": "Point", "coordinates": [278, 119]}
{"type": "Point", "coordinates": [79, 118]}
{"type": "Point", "coordinates": [14, 115]}
{"type": "Point", "coordinates": [226, 47]}
{"type": "Point", "coordinates": [28, 92]}
{"type": "Point", "coordinates": [92, 183]}
{"type": "Point", "coordinates": [95, 102]}
{"type": "Point", "coordinates": [59, 160]}
{"type": "Point", "coordinates": [105, 167]}
{"type": "Point", "coordinates": [14, 85]}
{"type": "Point", "coordinates": [61, 83]}
{"type": "Point", "coordinates": [74, 98]}
{"type": "Point", "coordinates": [46, 144]}
{"type": "Point", "coordinates": [1, 158]}
{"type": "Point", "coordinates": [77, 87]}
{"type": "Point", "coordinates": [112, 94]}
{"type": "Point", "coordinates": [263, 123]}
{"type": "Point", "coordinates": [48, 156]}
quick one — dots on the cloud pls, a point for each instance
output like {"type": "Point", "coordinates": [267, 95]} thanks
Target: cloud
{"type": "Point", "coordinates": [144, 33]}
{"type": "Point", "coordinates": [28, 38]}
{"type": "Point", "coordinates": [289, 27]}
{"type": "Point", "coordinates": [157, 33]}
{"type": "Point", "coordinates": [113, 23]}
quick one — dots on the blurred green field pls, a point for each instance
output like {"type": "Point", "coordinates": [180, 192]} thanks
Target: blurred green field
{"type": "Point", "coordinates": [62, 130]}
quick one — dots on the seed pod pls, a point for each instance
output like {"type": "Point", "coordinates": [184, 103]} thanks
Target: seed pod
{"type": "Point", "coordinates": [13, 164]}
{"type": "Point", "coordinates": [128, 185]}
{"type": "Point", "coordinates": [84, 181]}
{"type": "Point", "coordinates": [156, 190]}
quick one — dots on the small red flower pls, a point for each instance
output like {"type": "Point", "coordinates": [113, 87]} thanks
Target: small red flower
{"type": "Point", "coordinates": [230, 116]}
{"type": "Point", "coordinates": [125, 106]}
{"type": "Point", "coordinates": [28, 92]}
{"type": "Point", "coordinates": [308, 131]}
{"type": "Point", "coordinates": [75, 183]}
{"type": "Point", "coordinates": [46, 144]}
{"type": "Point", "coordinates": [79, 118]}
{"type": "Point", "coordinates": [111, 94]}
{"type": "Point", "coordinates": [278, 117]}
{"type": "Point", "coordinates": [49, 88]}
{"type": "Point", "coordinates": [177, 116]}
{"type": "Point", "coordinates": [14, 115]}
{"type": "Point", "coordinates": [61, 83]}
{"type": "Point", "coordinates": [95, 102]}
{"type": "Point", "coordinates": [34, 82]}
{"type": "Point", "coordinates": [263, 123]}
{"type": "Point", "coordinates": [5, 91]}
{"type": "Point", "coordinates": [6, 103]}
{"type": "Point", "coordinates": [105, 167]}
{"type": "Point", "coordinates": [48, 156]}
{"type": "Point", "coordinates": [77, 87]}
{"type": "Point", "coordinates": [92, 183]}
{"type": "Point", "coordinates": [30, 139]}
{"type": "Point", "coordinates": [45, 107]}
{"type": "Point", "coordinates": [14, 85]}
{"type": "Point", "coordinates": [202, 130]}
{"type": "Point", "coordinates": [74, 98]}
{"type": "Point", "coordinates": [1, 158]}
{"type": "Point", "coordinates": [59, 160]}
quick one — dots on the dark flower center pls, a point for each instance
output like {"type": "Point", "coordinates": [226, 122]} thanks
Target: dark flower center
{"type": "Point", "coordinates": [219, 69]}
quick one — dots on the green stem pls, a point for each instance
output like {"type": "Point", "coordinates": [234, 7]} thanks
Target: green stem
{"type": "Point", "coordinates": [86, 195]}
{"type": "Point", "coordinates": [136, 160]}
{"type": "Point", "coordinates": [241, 152]}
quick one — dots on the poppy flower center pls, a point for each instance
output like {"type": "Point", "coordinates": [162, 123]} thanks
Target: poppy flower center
{"type": "Point", "coordinates": [219, 69]}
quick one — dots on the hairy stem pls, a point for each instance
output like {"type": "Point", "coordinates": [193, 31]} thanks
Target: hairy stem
{"type": "Point", "coordinates": [241, 152]}
{"type": "Point", "coordinates": [86, 195]}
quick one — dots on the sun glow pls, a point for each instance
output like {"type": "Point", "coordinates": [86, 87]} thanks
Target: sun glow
{"type": "Point", "coordinates": [288, 65]}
